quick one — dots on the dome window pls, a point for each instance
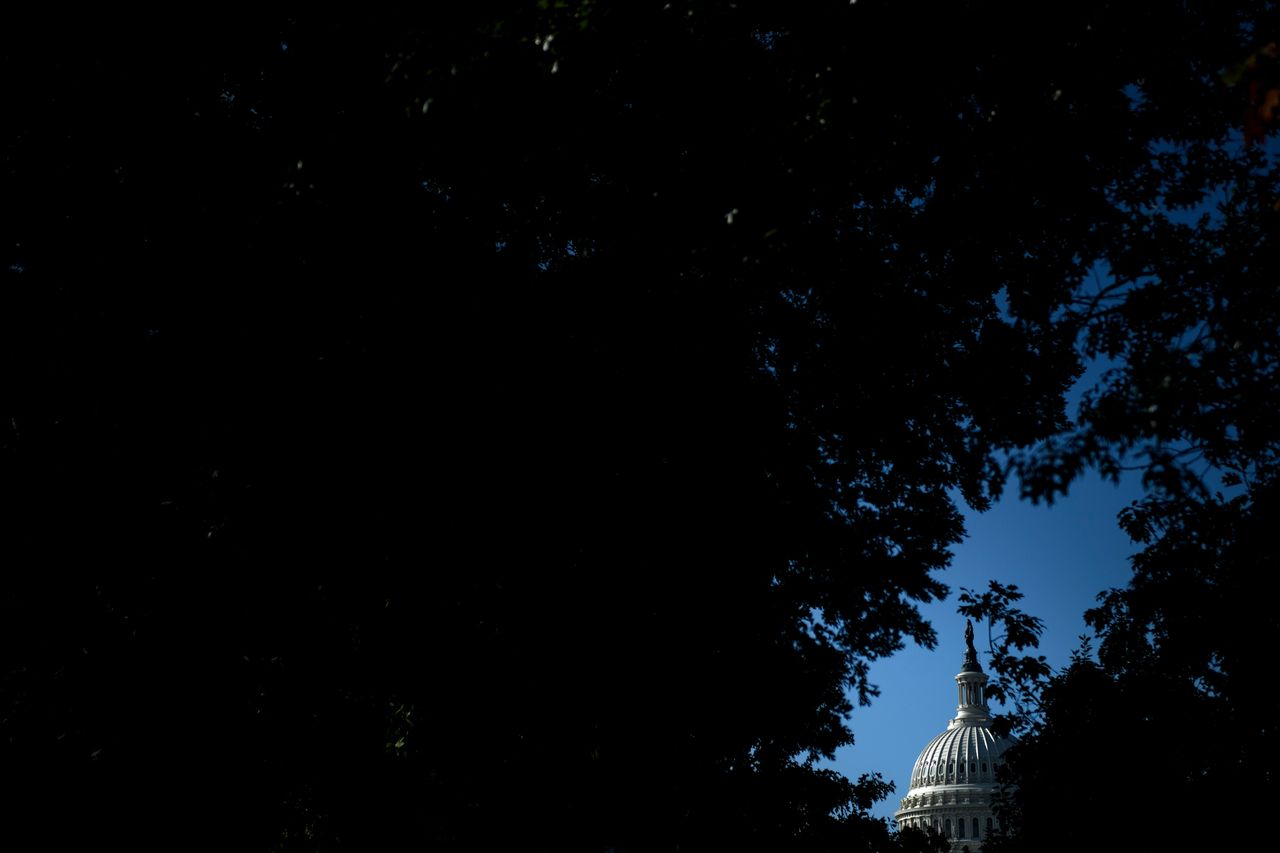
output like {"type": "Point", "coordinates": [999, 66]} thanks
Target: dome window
{"type": "Point", "coordinates": [988, 826]}
{"type": "Point", "coordinates": [984, 767]}
{"type": "Point", "coordinates": [947, 831]}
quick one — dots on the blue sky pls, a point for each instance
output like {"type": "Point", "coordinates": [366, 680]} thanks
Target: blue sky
{"type": "Point", "coordinates": [1061, 556]}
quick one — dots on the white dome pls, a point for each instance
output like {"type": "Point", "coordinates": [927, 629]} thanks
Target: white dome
{"type": "Point", "coordinates": [953, 782]}
{"type": "Point", "coordinates": [966, 752]}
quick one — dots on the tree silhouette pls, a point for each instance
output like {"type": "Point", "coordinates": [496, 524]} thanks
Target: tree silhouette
{"type": "Point", "coordinates": [1187, 318]}
{"type": "Point", "coordinates": [477, 427]}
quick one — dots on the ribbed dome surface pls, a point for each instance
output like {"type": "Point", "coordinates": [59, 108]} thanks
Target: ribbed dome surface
{"type": "Point", "coordinates": [964, 753]}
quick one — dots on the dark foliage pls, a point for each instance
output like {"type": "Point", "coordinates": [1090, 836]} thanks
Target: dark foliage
{"type": "Point", "coordinates": [478, 428]}
{"type": "Point", "coordinates": [1174, 711]}
{"type": "Point", "coordinates": [1177, 709]}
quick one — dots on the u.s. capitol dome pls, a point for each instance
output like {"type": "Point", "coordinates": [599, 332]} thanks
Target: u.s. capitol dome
{"type": "Point", "coordinates": [953, 783]}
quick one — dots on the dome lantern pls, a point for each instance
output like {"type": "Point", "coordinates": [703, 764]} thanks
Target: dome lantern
{"type": "Point", "coordinates": [971, 683]}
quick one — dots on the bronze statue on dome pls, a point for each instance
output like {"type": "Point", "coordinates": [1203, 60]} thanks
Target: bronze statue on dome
{"type": "Point", "coordinates": [970, 653]}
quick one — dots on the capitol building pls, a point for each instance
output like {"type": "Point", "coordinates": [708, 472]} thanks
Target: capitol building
{"type": "Point", "coordinates": [953, 782]}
